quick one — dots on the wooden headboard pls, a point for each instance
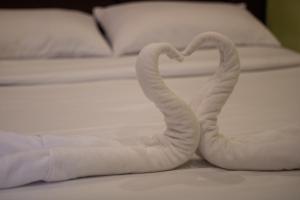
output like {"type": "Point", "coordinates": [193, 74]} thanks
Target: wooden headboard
{"type": "Point", "coordinates": [257, 7]}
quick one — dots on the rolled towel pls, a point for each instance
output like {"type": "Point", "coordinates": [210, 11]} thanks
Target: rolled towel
{"type": "Point", "coordinates": [270, 150]}
{"type": "Point", "coordinates": [26, 159]}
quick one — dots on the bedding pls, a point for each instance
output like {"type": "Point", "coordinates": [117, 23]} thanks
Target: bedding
{"type": "Point", "coordinates": [66, 102]}
{"type": "Point", "coordinates": [49, 33]}
{"type": "Point", "coordinates": [104, 105]}
{"type": "Point", "coordinates": [27, 159]}
{"type": "Point", "coordinates": [257, 161]}
{"type": "Point", "coordinates": [100, 97]}
{"type": "Point", "coordinates": [131, 26]}
{"type": "Point", "coordinates": [201, 63]}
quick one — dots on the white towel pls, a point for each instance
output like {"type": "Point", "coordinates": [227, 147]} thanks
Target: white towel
{"type": "Point", "coordinates": [270, 150]}
{"type": "Point", "coordinates": [25, 159]}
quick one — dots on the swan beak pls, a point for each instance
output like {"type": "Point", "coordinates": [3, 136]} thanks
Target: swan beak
{"type": "Point", "coordinates": [179, 58]}
{"type": "Point", "coordinates": [187, 52]}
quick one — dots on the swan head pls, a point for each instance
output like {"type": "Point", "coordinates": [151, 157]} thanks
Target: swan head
{"type": "Point", "coordinates": [211, 38]}
{"type": "Point", "coordinates": [162, 48]}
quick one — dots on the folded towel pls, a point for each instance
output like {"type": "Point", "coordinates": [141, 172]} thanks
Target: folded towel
{"type": "Point", "coordinates": [25, 159]}
{"type": "Point", "coordinates": [271, 150]}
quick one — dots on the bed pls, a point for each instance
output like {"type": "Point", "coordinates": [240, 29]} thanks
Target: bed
{"type": "Point", "coordinates": [99, 93]}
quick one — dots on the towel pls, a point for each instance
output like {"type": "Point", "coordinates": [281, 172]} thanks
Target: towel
{"type": "Point", "coordinates": [189, 129]}
{"type": "Point", "coordinates": [270, 150]}
{"type": "Point", "coordinates": [25, 159]}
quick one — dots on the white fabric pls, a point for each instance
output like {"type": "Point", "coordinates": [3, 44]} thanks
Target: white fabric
{"type": "Point", "coordinates": [131, 26]}
{"type": "Point", "coordinates": [48, 33]}
{"type": "Point", "coordinates": [53, 158]}
{"type": "Point", "coordinates": [95, 106]}
{"type": "Point", "coordinates": [203, 62]}
{"type": "Point", "coordinates": [26, 159]}
{"type": "Point", "coordinates": [197, 180]}
{"type": "Point", "coordinates": [69, 108]}
{"type": "Point", "coordinates": [271, 150]}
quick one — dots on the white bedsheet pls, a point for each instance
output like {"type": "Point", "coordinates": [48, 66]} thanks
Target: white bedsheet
{"type": "Point", "coordinates": [262, 100]}
{"type": "Point", "coordinates": [203, 182]}
{"type": "Point", "coordinates": [16, 72]}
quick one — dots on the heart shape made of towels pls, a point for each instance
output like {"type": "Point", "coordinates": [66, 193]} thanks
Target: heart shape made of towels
{"type": "Point", "coordinates": [270, 150]}
{"type": "Point", "coordinates": [25, 159]}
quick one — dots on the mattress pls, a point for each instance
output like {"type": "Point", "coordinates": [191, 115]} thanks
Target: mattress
{"type": "Point", "coordinates": [101, 96]}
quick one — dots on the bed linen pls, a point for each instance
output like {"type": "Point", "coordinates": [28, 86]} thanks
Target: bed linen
{"type": "Point", "coordinates": [103, 104]}
{"type": "Point", "coordinates": [178, 22]}
{"type": "Point", "coordinates": [28, 159]}
{"type": "Point", "coordinates": [60, 108]}
{"type": "Point", "coordinates": [49, 33]}
{"type": "Point", "coordinates": [285, 101]}
{"type": "Point", "coordinates": [203, 62]}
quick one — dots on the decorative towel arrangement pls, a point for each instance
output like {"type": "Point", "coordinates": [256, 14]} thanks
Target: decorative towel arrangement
{"type": "Point", "coordinates": [25, 159]}
{"type": "Point", "coordinates": [270, 150]}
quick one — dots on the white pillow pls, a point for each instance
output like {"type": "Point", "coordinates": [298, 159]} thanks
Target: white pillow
{"type": "Point", "coordinates": [48, 33]}
{"type": "Point", "coordinates": [133, 25]}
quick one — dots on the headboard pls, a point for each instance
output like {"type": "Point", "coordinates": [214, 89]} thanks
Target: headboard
{"type": "Point", "coordinates": [257, 7]}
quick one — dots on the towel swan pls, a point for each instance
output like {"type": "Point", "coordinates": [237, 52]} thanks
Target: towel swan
{"type": "Point", "coordinates": [270, 150]}
{"type": "Point", "coordinates": [25, 159]}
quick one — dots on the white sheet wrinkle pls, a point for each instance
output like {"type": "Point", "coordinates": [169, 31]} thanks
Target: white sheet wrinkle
{"type": "Point", "coordinates": [25, 159]}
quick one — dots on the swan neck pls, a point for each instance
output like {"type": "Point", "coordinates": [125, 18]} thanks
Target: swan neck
{"type": "Point", "coordinates": [182, 126]}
